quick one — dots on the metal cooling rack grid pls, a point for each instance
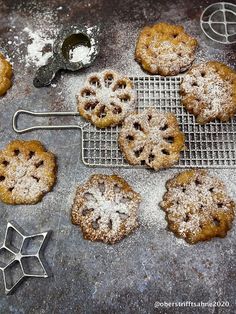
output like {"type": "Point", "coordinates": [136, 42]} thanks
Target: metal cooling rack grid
{"type": "Point", "coordinates": [211, 145]}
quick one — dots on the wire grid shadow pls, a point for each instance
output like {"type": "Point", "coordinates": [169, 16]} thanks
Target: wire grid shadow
{"type": "Point", "coordinates": [208, 146]}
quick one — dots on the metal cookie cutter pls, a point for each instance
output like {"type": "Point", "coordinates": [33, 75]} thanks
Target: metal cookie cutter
{"type": "Point", "coordinates": [21, 256]}
{"type": "Point", "coordinates": [218, 22]}
{"type": "Point", "coordinates": [75, 48]}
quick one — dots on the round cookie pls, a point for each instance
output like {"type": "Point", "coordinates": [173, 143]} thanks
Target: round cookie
{"type": "Point", "coordinates": [152, 138]}
{"type": "Point", "coordinates": [105, 208]}
{"type": "Point", "coordinates": [5, 75]}
{"type": "Point", "coordinates": [106, 98]}
{"type": "Point", "coordinates": [165, 49]}
{"type": "Point", "coordinates": [197, 206]}
{"type": "Point", "coordinates": [27, 172]}
{"type": "Point", "coordinates": [208, 91]}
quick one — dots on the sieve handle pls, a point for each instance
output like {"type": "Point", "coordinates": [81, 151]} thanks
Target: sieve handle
{"type": "Point", "coordinates": [19, 113]}
{"type": "Point", "coordinates": [46, 73]}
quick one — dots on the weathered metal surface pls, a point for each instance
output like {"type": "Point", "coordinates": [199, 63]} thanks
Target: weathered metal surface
{"type": "Point", "coordinates": [150, 265]}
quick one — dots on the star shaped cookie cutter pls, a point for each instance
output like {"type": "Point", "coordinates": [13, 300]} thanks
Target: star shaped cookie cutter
{"type": "Point", "coordinates": [21, 256]}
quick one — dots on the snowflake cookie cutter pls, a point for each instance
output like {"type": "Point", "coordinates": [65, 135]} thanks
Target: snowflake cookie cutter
{"type": "Point", "coordinates": [75, 47]}
{"type": "Point", "coordinates": [21, 256]}
{"type": "Point", "coordinates": [218, 22]}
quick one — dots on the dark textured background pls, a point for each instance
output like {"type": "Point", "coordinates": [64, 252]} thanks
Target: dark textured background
{"type": "Point", "coordinates": [150, 265]}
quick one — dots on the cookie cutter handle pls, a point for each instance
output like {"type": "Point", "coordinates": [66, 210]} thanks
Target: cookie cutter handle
{"type": "Point", "coordinates": [21, 112]}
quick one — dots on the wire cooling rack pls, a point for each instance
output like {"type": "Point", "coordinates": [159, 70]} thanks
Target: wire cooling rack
{"type": "Point", "coordinates": [211, 145]}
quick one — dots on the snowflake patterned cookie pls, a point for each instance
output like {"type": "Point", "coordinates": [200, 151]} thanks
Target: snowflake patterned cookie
{"type": "Point", "coordinates": [208, 91]}
{"type": "Point", "coordinates": [106, 98]}
{"type": "Point", "coordinates": [27, 172]}
{"type": "Point", "coordinates": [197, 206]}
{"type": "Point", "coordinates": [152, 138]}
{"type": "Point", "coordinates": [5, 75]}
{"type": "Point", "coordinates": [105, 208]}
{"type": "Point", "coordinates": [165, 49]}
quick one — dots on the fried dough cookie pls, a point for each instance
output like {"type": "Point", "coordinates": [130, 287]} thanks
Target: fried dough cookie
{"type": "Point", "coordinates": [208, 91]}
{"type": "Point", "coordinates": [197, 206]}
{"type": "Point", "coordinates": [165, 49]}
{"type": "Point", "coordinates": [5, 75]}
{"type": "Point", "coordinates": [27, 172]}
{"type": "Point", "coordinates": [105, 208]}
{"type": "Point", "coordinates": [151, 138]}
{"type": "Point", "coordinates": [106, 98]}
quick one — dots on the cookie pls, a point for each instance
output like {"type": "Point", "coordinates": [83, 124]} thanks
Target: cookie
{"type": "Point", "coordinates": [208, 91]}
{"type": "Point", "coordinates": [152, 138]}
{"type": "Point", "coordinates": [5, 75]}
{"type": "Point", "coordinates": [197, 206]}
{"type": "Point", "coordinates": [27, 172]}
{"type": "Point", "coordinates": [165, 49]}
{"type": "Point", "coordinates": [106, 98]}
{"type": "Point", "coordinates": [105, 208]}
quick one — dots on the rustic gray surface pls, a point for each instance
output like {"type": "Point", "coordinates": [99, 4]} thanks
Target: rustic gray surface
{"type": "Point", "coordinates": [150, 265]}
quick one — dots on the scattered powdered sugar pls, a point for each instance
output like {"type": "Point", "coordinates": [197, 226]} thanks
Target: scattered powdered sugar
{"type": "Point", "coordinates": [150, 213]}
{"type": "Point", "coordinates": [151, 186]}
{"type": "Point", "coordinates": [111, 206]}
{"type": "Point", "coordinates": [107, 210]}
{"type": "Point", "coordinates": [35, 53]}
{"type": "Point", "coordinates": [196, 203]}
{"type": "Point", "coordinates": [30, 42]}
{"type": "Point", "coordinates": [209, 88]}
{"type": "Point", "coordinates": [149, 137]}
{"type": "Point", "coordinates": [106, 98]}
{"type": "Point", "coordinates": [25, 179]}
{"type": "Point", "coordinates": [170, 58]}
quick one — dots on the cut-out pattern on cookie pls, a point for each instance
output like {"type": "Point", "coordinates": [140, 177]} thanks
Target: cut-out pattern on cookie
{"type": "Point", "coordinates": [105, 208]}
{"type": "Point", "coordinates": [27, 172]}
{"type": "Point", "coordinates": [106, 98]}
{"type": "Point", "coordinates": [5, 75]}
{"type": "Point", "coordinates": [152, 138]}
{"type": "Point", "coordinates": [165, 49]}
{"type": "Point", "coordinates": [197, 206]}
{"type": "Point", "coordinates": [208, 91]}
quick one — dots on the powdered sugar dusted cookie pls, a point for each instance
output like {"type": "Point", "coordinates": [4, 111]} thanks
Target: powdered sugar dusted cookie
{"type": "Point", "coordinates": [27, 172]}
{"type": "Point", "coordinates": [165, 49]}
{"type": "Point", "coordinates": [106, 98]}
{"type": "Point", "coordinates": [5, 75]}
{"type": "Point", "coordinates": [197, 206]}
{"type": "Point", "coordinates": [105, 208]}
{"type": "Point", "coordinates": [151, 138]}
{"type": "Point", "coordinates": [208, 91]}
